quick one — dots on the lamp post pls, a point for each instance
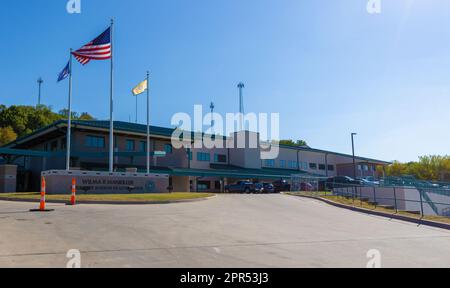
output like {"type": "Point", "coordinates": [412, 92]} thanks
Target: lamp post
{"type": "Point", "coordinates": [241, 87]}
{"type": "Point", "coordinates": [353, 153]}
{"type": "Point", "coordinates": [39, 81]}
{"type": "Point", "coordinates": [212, 106]}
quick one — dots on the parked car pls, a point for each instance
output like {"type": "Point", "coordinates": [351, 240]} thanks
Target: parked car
{"type": "Point", "coordinates": [342, 181]}
{"type": "Point", "coordinates": [367, 182]}
{"type": "Point", "coordinates": [268, 188]}
{"type": "Point", "coordinates": [259, 188]}
{"type": "Point", "coordinates": [281, 186]}
{"type": "Point", "coordinates": [241, 187]}
{"type": "Point", "coordinates": [305, 186]}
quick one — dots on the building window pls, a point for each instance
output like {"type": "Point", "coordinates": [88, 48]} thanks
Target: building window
{"type": "Point", "coordinates": [130, 145]}
{"type": "Point", "coordinates": [54, 146]}
{"type": "Point", "coordinates": [282, 163]}
{"type": "Point", "coordinates": [143, 146]}
{"type": "Point", "coordinates": [305, 166]}
{"type": "Point", "coordinates": [330, 167]}
{"type": "Point", "coordinates": [95, 142]}
{"type": "Point", "coordinates": [269, 163]}
{"type": "Point", "coordinates": [189, 154]}
{"type": "Point", "coordinates": [322, 167]}
{"type": "Point", "coordinates": [360, 167]}
{"type": "Point", "coordinates": [219, 158]}
{"type": "Point", "coordinates": [313, 166]}
{"type": "Point", "coordinates": [63, 143]}
{"type": "Point", "coordinates": [203, 157]}
{"type": "Point", "coordinates": [293, 164]}
{"type": "Point", "coordinates": [168, 148]}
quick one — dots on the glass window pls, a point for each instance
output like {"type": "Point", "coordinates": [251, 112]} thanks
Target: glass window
{"type": "Point", "coordinates": [293, 164]}
{"type": "Point", "coordinates": [330, 167]}
{"type": "Point", "coordinates": [305, 166]}
{"type": "Point", "coordinates": [95, 142]}
{"type": "Point", "coordinates": [130, 145]}
{"type": "Point", "coordinates": [168, 148]}
{"type": "Point", "coordinates": [322, 167]}
{"type": "Point", "coordinates": [313, 166]}
{"type": "Point", "coordinates": [143, 146]}
{"type": "Point", "coordinates": [283, 163]}
{"type": "Point", "coordinates": [269, 163]}
{"type": "Point", "coordinates": [203, 157]}
{"type": "Point", "coordinates": [63, 143]}
{"type": "Point", "coordinates": [219, 158]}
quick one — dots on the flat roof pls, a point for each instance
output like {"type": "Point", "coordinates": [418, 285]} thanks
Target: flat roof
{"type": "Point", "coordinates": [155, 131]}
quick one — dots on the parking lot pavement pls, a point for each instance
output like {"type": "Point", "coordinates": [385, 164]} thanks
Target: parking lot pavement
{"type": "Point", "coordinates": [227, 231]}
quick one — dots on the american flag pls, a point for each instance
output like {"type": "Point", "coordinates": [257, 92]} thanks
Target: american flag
{"type": "Point", "coordinates": [98, 49]}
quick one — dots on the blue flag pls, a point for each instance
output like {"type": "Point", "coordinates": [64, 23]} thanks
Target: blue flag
{"type": "Point", "coordinates": [65, 73]}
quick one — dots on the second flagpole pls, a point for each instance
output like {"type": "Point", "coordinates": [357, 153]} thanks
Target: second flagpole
{"type": "Point", "coordinates": [111, 108]}
{"type": "Point", "coordinates": [69, 122]}
{"type": "Point", "coordinates": [148, 123]}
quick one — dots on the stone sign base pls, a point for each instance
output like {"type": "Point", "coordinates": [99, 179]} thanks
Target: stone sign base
{"type": "Point", "coordinates": [91, 182]}
{"type": "Point", "coordinates": [8, 178]}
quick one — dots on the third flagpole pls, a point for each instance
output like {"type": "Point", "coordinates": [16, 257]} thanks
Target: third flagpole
{"type": "Point", "coordinates": [111, 108]}
{"type": "Point", "coordinates": [148, 123]}
{"type": "Point", "coordinates": [69, 122]}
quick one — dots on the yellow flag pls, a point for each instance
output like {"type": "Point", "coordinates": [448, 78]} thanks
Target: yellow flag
{"type": "Point", "coordinates": [139, 89]}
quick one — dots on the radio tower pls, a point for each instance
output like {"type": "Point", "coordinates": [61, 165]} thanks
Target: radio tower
{"type": "Point", "coordinates": [212, 106]}
{"type": "Point", "coordinates": [39, 81]}
{"type": "Point", "coordinates": [241, 87]}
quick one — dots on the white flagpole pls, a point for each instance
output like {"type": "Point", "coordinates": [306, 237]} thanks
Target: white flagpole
{"type": "Point", "coordinates": [111, 108]}
{"type": "Point", "coordinates": [69, 123]}
{"type": "Point", "coordinates": [148, 122]}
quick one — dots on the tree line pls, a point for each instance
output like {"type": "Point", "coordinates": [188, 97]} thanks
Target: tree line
{"type": "Point", "coordinates": [18, 121]}
{"type": "Point", "coordinates": [434, 168]}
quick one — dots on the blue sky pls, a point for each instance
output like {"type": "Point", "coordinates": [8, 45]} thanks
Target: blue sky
{"type": "Point", "coordinates": [328, 67]}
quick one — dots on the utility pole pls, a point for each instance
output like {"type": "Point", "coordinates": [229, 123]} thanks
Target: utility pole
{"type": "Point", "coordinates": [353, 153]}
{"type": "Point", "coordinates": [40, 82]}
{"type": "Point", "coordinates": [241, 87]}
{"type": "Point", "coordinates": [212, 106]}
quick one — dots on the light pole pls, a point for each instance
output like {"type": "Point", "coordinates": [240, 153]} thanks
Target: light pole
{"type": "Point", "coordinates": [39, 81]}
{"type": "Point", "coordinates": [241, 87]}
{"type": "Point", "coordinates": [212, 106]}
{"type": "Point", "coordinates": [353, 153]}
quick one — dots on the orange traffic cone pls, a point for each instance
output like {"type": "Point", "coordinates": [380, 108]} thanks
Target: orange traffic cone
{"type": "Point", "coordinates": [42, 201]}
{"type": "Point", "coordinates": [74, 192]}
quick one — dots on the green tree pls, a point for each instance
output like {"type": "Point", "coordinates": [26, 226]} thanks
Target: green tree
{"type": "Point", "coordinates": [26, 119]}
{"type": "Point", "coordinates": [7, 135]}
{"type": "Point", "coordinates": [297, 143]}
{"type": "Point", "coordinates": [431, 167]}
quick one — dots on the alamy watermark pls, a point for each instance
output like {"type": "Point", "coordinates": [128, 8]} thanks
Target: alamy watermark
{"type": "Point", "coordinates": [374, 257]}
{"type": "Point", "coordinates": [254, 131]}
{"type": "Point", "coordinates": [74, 256]}
{"type": "Point", "coordinates": [374, 6]}
{"type": "Point", "coordinates": [73, 6]}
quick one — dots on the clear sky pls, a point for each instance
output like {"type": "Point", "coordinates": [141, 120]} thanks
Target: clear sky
{"type": "Point", "coordinates": [328, 67]}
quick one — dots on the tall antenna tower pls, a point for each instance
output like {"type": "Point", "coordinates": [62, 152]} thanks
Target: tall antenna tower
{"type": "Point", "coordinates": [241, 87]}
{"type": "Point", "coordinates": [39, 81]}
{"type": "Point", "coordinates": [212, 106]}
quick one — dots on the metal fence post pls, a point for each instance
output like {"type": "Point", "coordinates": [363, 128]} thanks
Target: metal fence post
{"type": "Point", "coordinates": [375, 197]}
{"type": "Point", "coordinates": [421, 203]}
{"type": "Point", "coordinates": [360, 196]}
{"type": "Point", "coordinates": [395, 201]}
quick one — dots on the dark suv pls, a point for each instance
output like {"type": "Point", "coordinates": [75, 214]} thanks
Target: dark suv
{"type": "Point", "coordinates": [281, 186]}
{"type": "Point", "coordinates": [240, 187]}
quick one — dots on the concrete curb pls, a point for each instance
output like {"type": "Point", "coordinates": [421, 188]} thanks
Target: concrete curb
{"type": "Point", "coordinates": [378, 213]}
{"type": "Point", "coordinates": [111, 202]}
